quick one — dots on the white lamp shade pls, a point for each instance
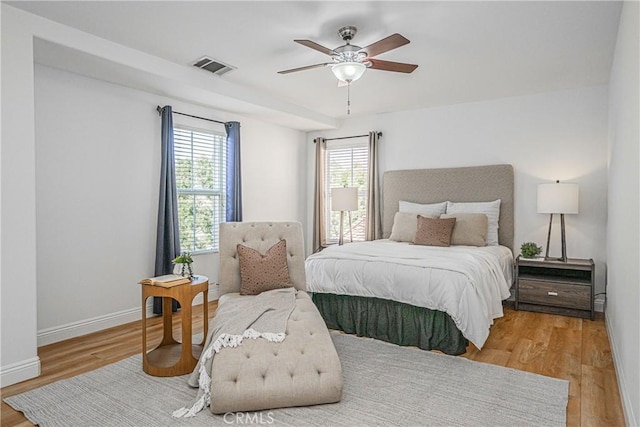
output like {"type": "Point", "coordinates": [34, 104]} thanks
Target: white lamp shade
{"type": "Point", "coordinates": [344, 199]}
{"type": "Point", "coordinates": [348, 71]}
{"type": "Point", "coordinates": [559, 198]}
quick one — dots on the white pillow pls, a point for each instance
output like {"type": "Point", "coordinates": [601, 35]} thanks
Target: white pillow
{"type": "Point", "coordinates": [433, 209]}
{"type": "Point", "coordinates": [490, 209]}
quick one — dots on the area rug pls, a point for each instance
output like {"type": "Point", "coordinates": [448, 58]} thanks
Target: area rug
{"type": "Point", "coordinates": [384, 384]}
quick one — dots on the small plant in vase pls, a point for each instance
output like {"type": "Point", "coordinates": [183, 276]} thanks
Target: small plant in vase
{"type": "Point", "coordinates": [530, 250]}
{"type": "Point", "coordinates": [186, 261]}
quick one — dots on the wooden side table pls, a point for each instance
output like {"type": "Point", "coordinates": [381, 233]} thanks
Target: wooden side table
{"type": "Point", "coordinates": [565, 288]}
{"type": "Point", "coordinates": [172, 357]}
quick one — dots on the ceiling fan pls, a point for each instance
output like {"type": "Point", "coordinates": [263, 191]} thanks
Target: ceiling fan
{"type": "Point", "coordinates": [349, 62]}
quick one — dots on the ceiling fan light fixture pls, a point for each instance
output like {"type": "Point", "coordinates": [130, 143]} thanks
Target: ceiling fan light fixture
{"type": "Point", "coordinates": [348, 71]}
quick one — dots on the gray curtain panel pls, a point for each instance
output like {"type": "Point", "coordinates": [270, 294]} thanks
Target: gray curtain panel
{"type": "Point", "coordinates": [373, 228]}
{"type": "Point", "coordinates": [318, 196]}
{"type": "Point", "coordinates": [168, 232]}
{"type": "Point", "coordinates": [234, 175]}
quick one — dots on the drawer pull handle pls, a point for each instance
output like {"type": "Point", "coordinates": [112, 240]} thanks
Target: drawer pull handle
{"type": "Point", "coordinates": [553, 294]}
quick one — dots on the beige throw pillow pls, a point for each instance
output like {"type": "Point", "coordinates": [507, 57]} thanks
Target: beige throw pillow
{"type": "Point", "coordinates": [491, 209]}
{"type": "Point", "coordinates": [470, 229]}
{"type": "Point", "coordinates": [434, 231]}
{"type": "Point", "coordinates": [405, 226]}
{"type": "Point", "coordinates": [259, 273]}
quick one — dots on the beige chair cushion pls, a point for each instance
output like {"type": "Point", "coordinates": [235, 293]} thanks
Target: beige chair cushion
{"type": "Point", "coordinates": [434, 231]}
{"type": "Point", "coordinates": [302, 370]}
{"type": "Point", "coordinates": [259, 273]}
{"type": "Point", "coordinates": [259, 236]}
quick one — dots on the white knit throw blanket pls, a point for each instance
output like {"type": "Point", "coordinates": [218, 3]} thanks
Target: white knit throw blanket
{"type": "Point", "coordinates": [262, 316]}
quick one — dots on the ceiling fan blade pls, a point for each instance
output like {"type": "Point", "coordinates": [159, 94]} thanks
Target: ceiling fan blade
{"type": "Point", "coordinates": [386, 44]}
{"type": "Point", "coordinates": [308, 67]}
{"type": "Point", "coordinates": [398, 67]}
{"type": "Point", "coordinates": [316, 46]}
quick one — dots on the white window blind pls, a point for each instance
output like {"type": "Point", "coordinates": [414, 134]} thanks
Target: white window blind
{"type": "Point", "coordinates": [347, 167]}
{"type": "Point", "coordinates": [200, 162]}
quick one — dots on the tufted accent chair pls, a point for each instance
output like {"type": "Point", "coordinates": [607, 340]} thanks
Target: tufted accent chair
{"type": "Point", "coordinates": [259, 236]}
{"type": "Point", "coordinates": [302, 370]}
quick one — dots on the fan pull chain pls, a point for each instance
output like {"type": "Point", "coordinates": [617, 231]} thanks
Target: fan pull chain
{"type": "Point", "coordinates": [348, 98]}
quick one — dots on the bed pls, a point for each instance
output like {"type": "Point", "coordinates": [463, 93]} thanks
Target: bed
{"type": "Point", "coordinates": [432, 298]}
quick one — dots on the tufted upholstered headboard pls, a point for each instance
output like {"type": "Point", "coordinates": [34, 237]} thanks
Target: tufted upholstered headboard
{"type": "Point", "coordinates": [259, 236]}
{"type": "Point", "coordinates": [465, 184]}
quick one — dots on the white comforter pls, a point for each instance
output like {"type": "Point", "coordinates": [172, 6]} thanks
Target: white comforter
{"type": "Point", "coordinates": [468, 283]}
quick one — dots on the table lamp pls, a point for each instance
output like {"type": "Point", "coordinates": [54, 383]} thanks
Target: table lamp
{"type": "Point", "coordinates": [559, 198]}
{"type": "Point", "coordinates": [344, 199]}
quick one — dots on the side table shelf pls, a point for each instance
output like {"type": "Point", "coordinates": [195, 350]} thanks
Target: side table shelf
{"type": "Point", "coordinates": [171, 357]}
{"type": "Point", "coordinates": [556, 287]}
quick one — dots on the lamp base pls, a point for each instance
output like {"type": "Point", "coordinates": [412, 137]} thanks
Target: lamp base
{"type": "Point", "coordinates": [563, 258]}
{"type": "Point", "coordinates": [341, 238]}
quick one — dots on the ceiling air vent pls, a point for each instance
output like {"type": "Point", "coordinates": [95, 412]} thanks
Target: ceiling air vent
{"type": "Point", "coordinates": [213, 65]}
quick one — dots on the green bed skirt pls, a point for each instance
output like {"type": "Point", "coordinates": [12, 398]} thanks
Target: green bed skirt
{"type": "Point", "coordinates": [391, 321]}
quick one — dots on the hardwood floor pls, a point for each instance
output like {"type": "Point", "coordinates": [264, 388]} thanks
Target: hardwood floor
{"type": "Point", "coordinates": [563, 347]}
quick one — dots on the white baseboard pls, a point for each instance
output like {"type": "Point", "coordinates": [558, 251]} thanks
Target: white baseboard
{"type": "Point", "coordinates": [19, 371]}
{"type": "Point", "coordinates": [627, 407]}
{"type": "Point", "coordinates": [87, 326]}
{"type": "Point", "coordinates": [95, 324]}
{"type": "Point", "coordinates": [598, 304]}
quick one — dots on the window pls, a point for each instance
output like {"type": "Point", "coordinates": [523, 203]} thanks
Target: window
{"type": "Point", "coordinates": [200, 161]}
{"type": "Point", "coordinates": [347, 166]}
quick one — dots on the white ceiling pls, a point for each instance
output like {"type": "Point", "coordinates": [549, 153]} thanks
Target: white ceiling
{"type": "Point", "coordinates": [466, 51]}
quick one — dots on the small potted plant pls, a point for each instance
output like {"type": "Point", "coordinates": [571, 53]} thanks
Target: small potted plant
{"type": "Point", "coordinates": [530, 250]}
{"type": "Point", "coordinates": [185, 259]}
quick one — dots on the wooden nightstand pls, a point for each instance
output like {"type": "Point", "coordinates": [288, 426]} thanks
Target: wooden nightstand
{"type": "Point", "coordinates": [555, 287]}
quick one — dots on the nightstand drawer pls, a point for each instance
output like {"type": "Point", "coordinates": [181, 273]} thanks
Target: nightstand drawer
{"type": "Point", "coordinates": [554, 293]}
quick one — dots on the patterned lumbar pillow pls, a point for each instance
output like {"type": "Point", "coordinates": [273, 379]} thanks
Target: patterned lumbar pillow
{"type": "Point", "coordinates": [434, 231]}
{"type": "Point", "coordinates": [259, 273]}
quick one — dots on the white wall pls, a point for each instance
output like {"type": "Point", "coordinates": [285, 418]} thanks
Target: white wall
{"type": "Point", "coordinates": [18, 353]}
{"type": "Point", "coordinates": [560, 135]}
{"type": "Point", "coordinates": [623, 233]}
{"type": "Point", "coordinates": [91, 304]}
{"type": "Point", "coordinates": [97, 170]}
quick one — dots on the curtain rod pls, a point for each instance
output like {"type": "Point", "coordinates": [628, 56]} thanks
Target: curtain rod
{"type": "Point", "coordinates": [159, 110]}
{"type": "Point", "coordinates": [349, 137]}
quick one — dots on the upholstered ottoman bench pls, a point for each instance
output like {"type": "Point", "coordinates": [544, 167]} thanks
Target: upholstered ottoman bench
{"type": "Point", "coordinates": [302, 370]}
